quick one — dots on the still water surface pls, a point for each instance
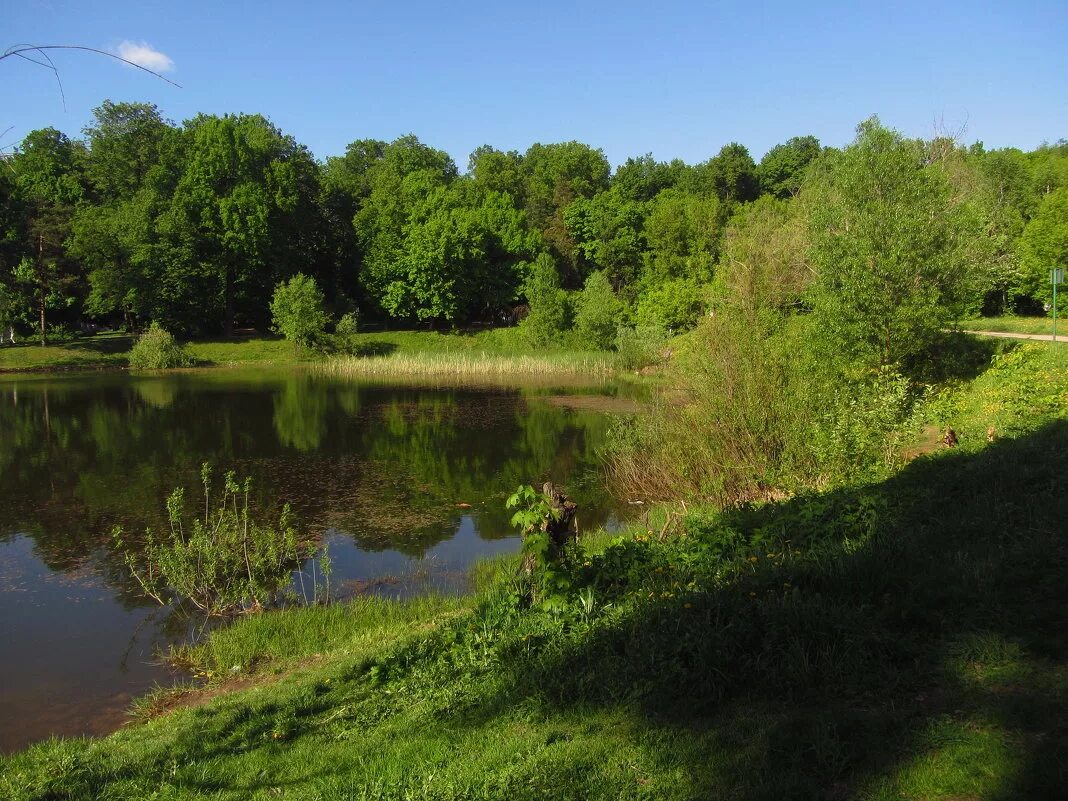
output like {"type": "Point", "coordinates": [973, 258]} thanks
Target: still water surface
{"type": "Point", "coordinates": [405, 484]}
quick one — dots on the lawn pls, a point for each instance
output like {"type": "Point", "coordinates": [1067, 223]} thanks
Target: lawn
{"type": "Point", "coordinates": [1015, 325]}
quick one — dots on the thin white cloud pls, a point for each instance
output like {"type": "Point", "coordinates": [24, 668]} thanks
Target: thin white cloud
{"type": "Point", "coordinates": [144, 55]}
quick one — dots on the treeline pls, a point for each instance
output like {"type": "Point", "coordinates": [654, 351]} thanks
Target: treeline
{"type": "Point", "coordinates": [194, 225]}
{"type": "Point", "coordinates": [830, 326]}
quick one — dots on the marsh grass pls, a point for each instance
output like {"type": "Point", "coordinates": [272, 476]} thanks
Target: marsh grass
{"type": "Point", "coordinates": [471, 365]}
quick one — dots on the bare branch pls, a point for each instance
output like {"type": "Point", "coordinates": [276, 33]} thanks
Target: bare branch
{"type": "Point", "coordinates": [48, 64]}
{"type": "Point", "coordinates": [19, 50]}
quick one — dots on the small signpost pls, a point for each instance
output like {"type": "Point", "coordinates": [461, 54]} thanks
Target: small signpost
{"type": "Point", "coordinates": [1056, 276]}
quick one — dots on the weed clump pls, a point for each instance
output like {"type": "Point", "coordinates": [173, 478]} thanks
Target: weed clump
{"type": "Point", "coordinates": [222, 563]}
{"type": "Point", "coordinates": [157, 349]}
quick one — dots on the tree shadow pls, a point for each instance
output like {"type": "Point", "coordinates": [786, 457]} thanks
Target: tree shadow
{"type": "Point", "coordinates": [957, 356]}
{"type": "Point", "coordinates": [859, 652]}
{"type": "Point", "coordinates": [829, 647]}
{"type": "Point", "coordinates": [372, 348]}
{"type": "Point", "coordinates": [104, 344]}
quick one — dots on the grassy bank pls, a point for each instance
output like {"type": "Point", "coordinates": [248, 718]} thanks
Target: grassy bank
{"type": "Point", "coordinates": [470, 365]}
{"type": "Point", "coordinates": [494, 352]}
{"type": "Point", "coordinates": [899, 639]}
{"type": "Point", "coordinates": [104, 351]}
{"type": "Point", "coordinates": [1014, 325]}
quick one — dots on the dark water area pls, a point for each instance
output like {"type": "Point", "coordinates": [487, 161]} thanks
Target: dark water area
{"type": "Point", "coordinates": [404, 484]}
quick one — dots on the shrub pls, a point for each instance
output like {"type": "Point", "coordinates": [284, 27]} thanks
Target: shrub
{"type": "Point", "coordinates": [297, 311]}
{"type": "Point", "coordinates": [598, 312]}
{"type": "Point", "coordinates": [548, 316]}
{"type": "Point", "coordinates": [157, 349]}
{"type": "Point", "coordinates": [674, 305]}
{"type": "Point", "coordinates": [223, 563]}
{"type": "Point", "coordinates": [345, 333]}
{"type": "Point", "coordinates": [640, 345]}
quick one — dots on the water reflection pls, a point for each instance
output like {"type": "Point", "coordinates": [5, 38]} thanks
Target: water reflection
{"type": "Point", "coordinates": [405, 482]}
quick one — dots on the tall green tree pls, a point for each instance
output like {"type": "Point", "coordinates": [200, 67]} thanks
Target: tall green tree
{"type": "Point", "coordinates": [608, 231]}
{"type": "Point", "coordinates": [499, 171]}
{"type": "Point", "coordinates": [1044, 246]}
{"type": "Point", "coordinates": [731, 175]}
{"type": "Point", "coordinates": [682, 232]}
{"type": "Point", "coordinates": [555, 176]}
{"type": "Point", "coordinates": [642, 178]}
{"type": "Point", "coordinates": [49, 171]}
{"type": "Point", "coordinates": [461, 256]}
{"type": "Point", "coordinates": [888, 250]}
{"type": "Point", "coordinates": [399, 184]}
{"type": "Point", "coordinates": [783, 168]}
{"type": "Point", "coordinates": [132, 171]}
{"type": "Point", "coordinates": [241, 218]}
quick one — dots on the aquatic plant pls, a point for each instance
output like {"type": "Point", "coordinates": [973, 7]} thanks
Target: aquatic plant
{"type": "Point", "coordinates": [223, 563]}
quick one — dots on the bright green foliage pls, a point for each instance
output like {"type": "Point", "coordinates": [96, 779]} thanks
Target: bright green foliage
{"type": "Point", "coordinates": [404, 229]}
{"type": "Point", "coordinates": [297, 311]}
{"type": "Point", "coordinates": [460, 259]}
{"type": "Point", "coordinates": [556, 175]}
{"type": "Point", "coordinates": [194, 225]}
{"type": "Point", "coordinates": [643, 178]}
{"type": "Point", "coordinates": [49, 178]}
{"type": "Point", "coordinates": [783, 168]}
{"type": "Point", "coordinates": [608, 232]}
{"type": "Point", "coordinates": [673, 305]}
{"type": "Point", "coordinates": [130, 153]}
{"type": "Point", "coordinates": [640, 345]}
{"type": "Point", "coordinates": [886, 242]}
{"type": "Point", "coordinates": [222, 563]}
{"type": "Point", "coordinates": [731, 175]}
{"type": "Point", "coordinates": [598, 312]}
{"type": "Point", "coordinates": [346, 333]}
{"type": "Point", "coordinates": [547, 317]}
{"type": "Point", "coordinates": [241, 213]}
{"type": "Point", "coordinates": [497, 171]}
{"type": "Point", "coordinates": [682, 232]}
{"type": "Point", "coordinates": [156, 349]}
{"type": "Point", "coordinates": [552, 568]}
{"type": "Point", "coordinates": [1044, 246]}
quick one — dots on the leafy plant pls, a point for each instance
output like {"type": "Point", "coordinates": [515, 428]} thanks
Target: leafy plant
{"type": "Point", "coordinates": [547, 302]}
{"type": "Point", "coordinates": [157, 349]}
{"type": "Point", "coordinates": [543, 555]}
{"type": "Point", "coordinates": [598, 312]}
{"type": "Point", "coordinates": [222, 563]}
{"type": "Point", "coordinates": [297, 311]}
{"type": "Point", "coordinates": [640, 345]}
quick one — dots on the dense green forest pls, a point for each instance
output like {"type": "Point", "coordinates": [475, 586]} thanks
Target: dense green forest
{"type": "Point", "coordinates": [194, 225]}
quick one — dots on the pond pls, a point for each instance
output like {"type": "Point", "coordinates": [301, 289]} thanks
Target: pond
{"type": "Point", "coordinates": [404, 484]}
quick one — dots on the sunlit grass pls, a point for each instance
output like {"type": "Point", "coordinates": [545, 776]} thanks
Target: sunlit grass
{"type": "Point", "coordinates": [1015, 325]}
{"type": "Point", "coordinates": [469, 365]}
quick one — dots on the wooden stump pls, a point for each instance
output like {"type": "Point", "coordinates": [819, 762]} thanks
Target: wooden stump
{"type": "Point", "coordinates": [557, 526]}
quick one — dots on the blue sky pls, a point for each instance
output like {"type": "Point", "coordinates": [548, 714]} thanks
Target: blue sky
{"type": "Point", "coordinates": [674, 79]}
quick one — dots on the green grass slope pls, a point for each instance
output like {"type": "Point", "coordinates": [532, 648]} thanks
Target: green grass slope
{"type": "Point", "coordinates": [902, 639]}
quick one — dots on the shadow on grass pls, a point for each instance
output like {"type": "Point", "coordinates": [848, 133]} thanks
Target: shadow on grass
{"type": "Point", "coordinates": [921, 613]}
{"type": "Point", "coordinates": [914, 646]}
{"type": "Point", "coordinates": [372, 348]}
{"type": "Point", "coordinates": [108, 344]}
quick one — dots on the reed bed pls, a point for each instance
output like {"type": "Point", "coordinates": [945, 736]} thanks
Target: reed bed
{"type": "Point", "coordinates": [470, 365]}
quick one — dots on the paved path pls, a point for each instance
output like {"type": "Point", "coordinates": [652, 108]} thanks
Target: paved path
{"type": "Point", "coordinates": [1043, 337]}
